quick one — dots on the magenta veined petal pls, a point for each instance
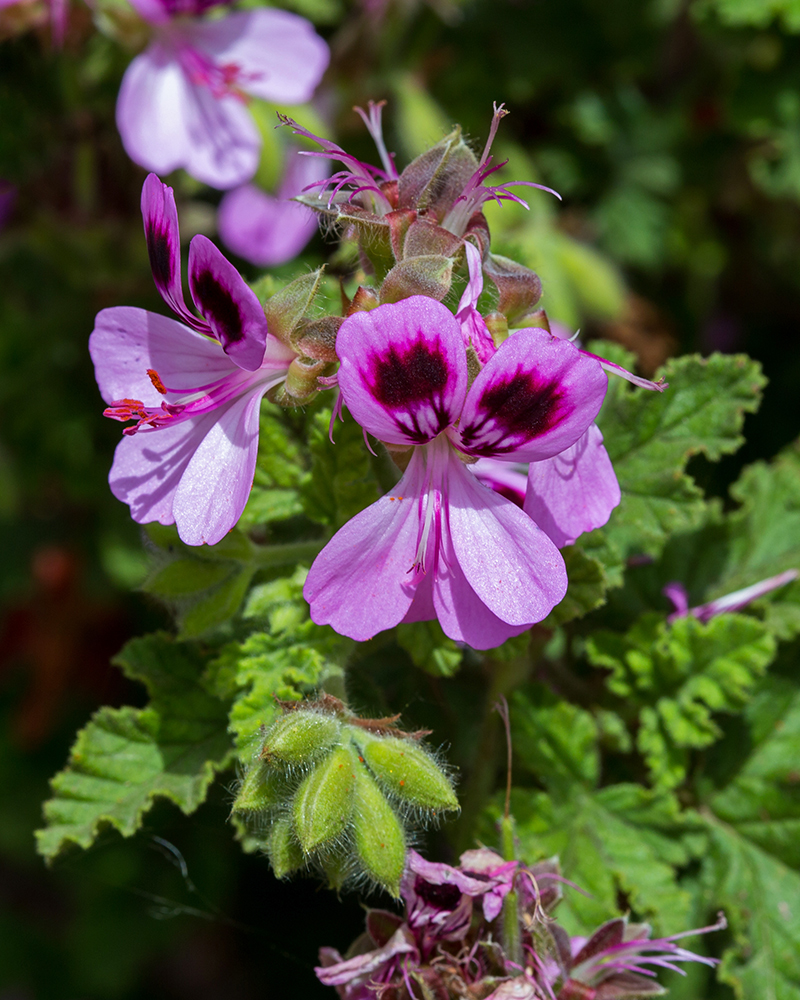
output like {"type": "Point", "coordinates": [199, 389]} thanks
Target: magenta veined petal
{"type": "Point", "coordinates": [278, 55]}
{"type": "Point", "coordinates": [218, 478]}
{"type": "Point", "coordinates": [228, 304]}
{"type": "Point", "coordinates": [574, 491]}
{"type": "Point", "coordinates": [403, 372]}
{"type": "Point", "coordinates": [511, 564]}
{"type": "Point", "coordinates": [127, 343]}
{"type": "Point", "coordinates": [534, 398]}
{"type": "Point", "coordinates": [361, 583]}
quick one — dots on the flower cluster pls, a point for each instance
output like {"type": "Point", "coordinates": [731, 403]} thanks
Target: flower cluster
{"type": "Point", "coordinates": [485, 929]}
{"type": "Point", "coordinates": [451, 392]}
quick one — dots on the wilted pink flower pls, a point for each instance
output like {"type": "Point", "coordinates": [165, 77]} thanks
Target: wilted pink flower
{"type": "Point", "coordinates": [676, 592]}
{"type": "Point", "coordinates": [269, 229]}
{"type": "Point", "coordinates": [183, 100]}
{"type": "Point", "coordinates": [193, 388]}
{"type": "Point", "coordinates": [442, 545]}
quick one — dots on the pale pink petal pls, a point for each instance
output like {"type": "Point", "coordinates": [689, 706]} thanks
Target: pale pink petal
{"type": "Point", "coordinates": [505, 478]}
{"type": "Point", "coordinates": [127, 342]}
{"type": "Point", "coordinates": [534, 398]}
{"type": "Point", "coordinates": [512, 565]}
{"type": "Point", "coordinates": [219, 476]}
{"type": "Point", "coordinates": [573, 492]}
{"type": "Point", "coordinates": [228, 303]}
{"type": "Point", "coordinates": [360, 583]}
{"type": "Point", "coordinates": [148, 467]}
{"type": "Point", "coordinates": [167, 122]}
{"type": "Point", "coordinates": [403, 372]}
{"type": "Point", "coordinates": [153, 11]}
{"type": "Point", "coordinates": [270, 229]}
{"type": "Point", "coordinates": [279, 56]}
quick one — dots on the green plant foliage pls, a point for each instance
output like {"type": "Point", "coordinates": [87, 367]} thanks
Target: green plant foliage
{"type": "Point", "coordinates": [126, 758]}
{"type": "Point", "coordinates": [680, 674]}
{"type": "Point", "coordinates": [586, 590]}
{"type": "Point", "coordinates": [618, 839]}
{"type": "Point", "coordinates": [280, 467]}
{"type": "Point", "coordinates": [342, 481]}
{"type": "Point", "coordinates": [429, 648]}
{"type": "Point", "coordinates": [752, 13]}
{"type": "Point", "coordinates": [650, 437]}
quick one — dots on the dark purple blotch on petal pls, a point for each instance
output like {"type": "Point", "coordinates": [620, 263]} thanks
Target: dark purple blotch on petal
{"type": "Point", "coordinates": [405, 380]}
{"type": "Point", "coordinates": [520, 408]}
{"type": "Point", "coordinates": [218, 306]}
{"type": "Point", "coordinates": [160, 252]}
{"type": "Point", "coordinates": [440, 897]}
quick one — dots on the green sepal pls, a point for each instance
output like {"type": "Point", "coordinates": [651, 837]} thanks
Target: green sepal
{"type": "Point", "coordinates": [260, 790]}
{"type": "Point", "coordinates": [323, 804]}
{"type": "Point", "coordinates": [286, 308]}
{"type": "Point", "coordinates": [402, 768]}
{"type": "Point", "coordinates": [430, 275]}
{"type": "Point", "coordinates": [299, 737]}
{"type": "Point", "coordinates": [284, 852]}
{"type": "Point", "coordinates": [378, 835]}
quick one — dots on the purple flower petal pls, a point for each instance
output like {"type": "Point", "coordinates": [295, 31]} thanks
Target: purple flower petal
{"type": "Point", "coordinates": [403, 371]}
{"type": "Point", "coordinates": [534, 398]}
{"type": "Point", "coordinates": [360, 583]}
{"type": "Point", "coordinates": [270, 229]}
{"type": "Point", "coordinates": [161, 232]}
{"type": "Point", "coordinates": [230, 306]}
{"type": "Point", "coordinates": [127, 343]}
{"type": "Point", "coordinates": [217, 481]}
{"type": "Point", "coordinates": [574, 491]}
{"type": "Point", "coordinates": [472, 323]}
{"type": "Point", "coordinates": [166, 121]}
{"type": "Point", "coordinates": [510, 481]}
{"type": "Point", "coordinates": [278, 55]}
{"type": "Point", "coordinates": [512, 565]}
{"type": "Point", "coordinates": [154, 11]}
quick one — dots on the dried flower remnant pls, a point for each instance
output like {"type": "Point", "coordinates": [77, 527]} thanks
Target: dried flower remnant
{"type": "Point", "coordinates": [734, 601]}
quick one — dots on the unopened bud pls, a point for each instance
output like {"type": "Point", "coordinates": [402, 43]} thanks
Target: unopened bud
{"type": "Point", "coordinates": [324, 801]}
{"type": "Point", "coordinates": [317, 338]}
{"type": "Point", "coordinates": [407, 771]}
{"type": "Point", "coordinates": [519, 287]}
{"type": "Point", "coordinates": [497, 326]}
{"type": "Point", "coordinates": [300, 383]}
{"type": "Point", "coordinates": [285, 853]}
{"type": "Point", "coordinates": [378, 835]}
{"type": "Point", "coordinates": [433, 181]}
{"type": "Point", "coordinates": [285, 309]}
{"type": "Point", "coordinates": [363, 301]}
{"type": "Point", "coordinates": [425, 238]}
{"type": "Point", "coordinates": [299, 737]}
{"type": "Point", "coordinates": [261, 790]}
{"type": "Point", "coordinates": [425, 275]}
{"type": "Point", "coordinates": [538, 318]}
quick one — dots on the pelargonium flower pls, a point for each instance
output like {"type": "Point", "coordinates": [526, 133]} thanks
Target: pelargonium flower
{"type": "Point", "coordinates": [442, 545]}
{"type": "Point", "coordinates": [182, 102]}
{"type": "Point", "coordinates": [734, 601]}
{"type": "Point", "coordinates": [269, 229]}
{"type": "Point", "coordinates": [193, 388]}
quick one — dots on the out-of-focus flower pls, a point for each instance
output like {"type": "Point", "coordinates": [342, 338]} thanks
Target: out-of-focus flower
{"type": "Point", "coordinates": [182, 102]}
{"type": "Point", "coordinates": [194, 388]}
{"type": "Point", "coordinates": [8, 196]}
{"type": "Point", "coordinates": [676, 592]}
{"type": "Point", "coordinates": [269, 229]}
{"type": "Point", "coordinates": [441, 545]}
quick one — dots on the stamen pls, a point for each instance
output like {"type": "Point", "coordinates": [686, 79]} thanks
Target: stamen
{"type": "Point", "coordinates": [375, 129]}
{"type": "Point", "coordinates": [158, 385]}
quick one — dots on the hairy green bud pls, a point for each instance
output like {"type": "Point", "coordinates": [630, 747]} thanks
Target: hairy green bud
{"type": "Point", "coordinates": [299, 737]}
{"type": "Point", "coordinates": [378, 835]}
{"type": "Point", "coordinates": [261, 790]}
{"type": "Point", "coordinates": [285, 854]}
{"type": "Point", "coordinates": [405, 770]}
{"type": "Point", "coordinates": [324, 801]}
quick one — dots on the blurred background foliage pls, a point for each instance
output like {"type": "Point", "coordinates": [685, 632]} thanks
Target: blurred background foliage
{"type": "Point", "coordinates": [672, 131]}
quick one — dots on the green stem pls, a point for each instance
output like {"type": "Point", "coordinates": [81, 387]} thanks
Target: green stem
{"type": "Point", "coordinates": [290, 552]}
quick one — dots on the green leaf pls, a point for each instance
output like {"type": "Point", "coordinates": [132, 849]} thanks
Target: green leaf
{"type": "Point", "coordinates": [186, 576]}
{"type": "Point", "coordinates": [586, 590]}
{"type": "Point", "coordinates": [342, 481]}
{"type": "Point", "coordinates": [753, 13]}
{"type": "Point", "coordinates": [286, 661]}
{"type": "Point", "coordinates": [280, 468]}
{"type": "Point", "coordinates": [679, 675]}
{"type": "Point", "coordinates": [651, 436]}
{"type": "Point", "coordinates": [429, 648]}
{"type": "Point", "coordinates": [125, 758]}
{"type": "Point", "coordinates": [750, 868]}
{"type": "Point", "coordinates": [218, 606]}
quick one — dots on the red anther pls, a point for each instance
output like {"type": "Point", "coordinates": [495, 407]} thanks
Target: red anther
{"type": "Point", "coordinates": [158, 385]}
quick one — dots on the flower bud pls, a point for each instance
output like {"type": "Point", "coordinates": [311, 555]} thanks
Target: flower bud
{"type": "Point", "coordinates": [405, 770]}
{"type": "Point", "coordinates": [299, 737]}
{"type": "Point", "coordinates": [424, 239]}
{"type": "Point", "coordinates": [286, 308]}
{"type": "Point", "coordinates": [260, 791]}
{"type": "Point", "coordinates": [284, 852]}
{"type": "Point", "coordinates": [519, 287]}
{"type": "Point", "coordinates": [497, 325]}
{"type": "Point", "coordinates": [317, 338]}
{"type": "Point", "coordinates": [324, 801]}
{"type": "Point", "coordinates": [300, 383]}
{"type": "Point", "coordinates": [378, 835]}
{"type": "Point", "coordinates": [429, 275]}
{"type": "Point", "coordinates": [433, 181]}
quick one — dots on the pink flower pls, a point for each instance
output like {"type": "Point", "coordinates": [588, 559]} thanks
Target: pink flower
{"type": "Point", "coordinates": [442, 545]}
{"type": "Point", "coordinates": [182, 101]}
{"type": "Point", "coordinates": [194, 388]}
{"type": "Point", "coordinates": [269, 229]}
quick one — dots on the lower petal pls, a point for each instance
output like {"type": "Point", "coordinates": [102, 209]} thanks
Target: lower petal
{"type": "Point", "coordinates": [574, 491]}
{"type": "Point", "coordinates": [360, 583]}
{"type": "Point", "coordinates": [510, 564]}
